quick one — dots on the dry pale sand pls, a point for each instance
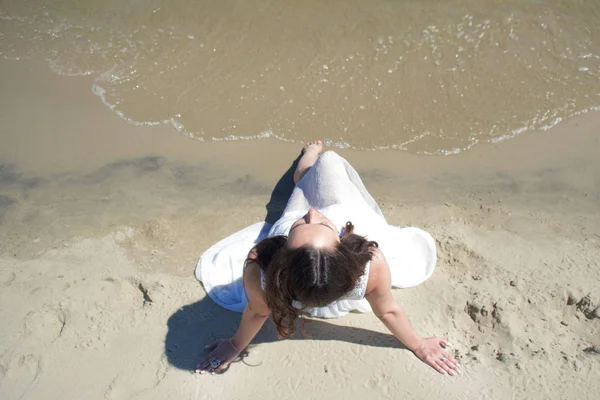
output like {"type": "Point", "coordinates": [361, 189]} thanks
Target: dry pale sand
{"type": "Point", "coordinates": [101, 224]}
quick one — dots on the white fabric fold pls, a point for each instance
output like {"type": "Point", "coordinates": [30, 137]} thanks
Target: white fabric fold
{"type": "Point", "coordinates": [334, 188]}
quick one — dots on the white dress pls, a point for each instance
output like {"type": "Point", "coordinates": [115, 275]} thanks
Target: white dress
{"type": "Point", "coordinates": [334, 188]}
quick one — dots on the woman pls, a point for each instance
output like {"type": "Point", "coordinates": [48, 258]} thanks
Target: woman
{"type": "Point", "coordinates": [312, 269]}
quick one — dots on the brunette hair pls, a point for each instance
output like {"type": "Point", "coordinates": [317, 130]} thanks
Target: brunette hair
{"type": "Point", "coordinates": [318, 277]}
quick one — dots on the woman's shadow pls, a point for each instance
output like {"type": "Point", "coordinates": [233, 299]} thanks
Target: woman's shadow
{"type": "Point", "coordinates": [195, 325]}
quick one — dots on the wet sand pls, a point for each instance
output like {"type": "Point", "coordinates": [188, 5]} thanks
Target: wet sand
{"type": "Point", "coordinates": [94, 212]}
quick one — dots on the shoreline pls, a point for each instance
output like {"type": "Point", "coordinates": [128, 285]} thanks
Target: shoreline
{"type": "Point", "coordinates": [36, 82]}
{"type": "Point", "coordinates": [91, 207]}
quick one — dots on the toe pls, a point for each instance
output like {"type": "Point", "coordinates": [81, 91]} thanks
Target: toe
{"type": "Point", "coordinates": [314, 145]}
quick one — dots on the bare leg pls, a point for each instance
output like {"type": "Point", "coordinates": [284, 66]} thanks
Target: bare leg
{"type": "Point", "coordinates": [310, 154]}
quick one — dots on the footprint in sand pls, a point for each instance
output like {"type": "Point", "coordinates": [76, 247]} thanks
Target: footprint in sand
{"type": "Point", "coordinates": [460, 259]}
{"type": "Point", "coordinates": [584, 304]}
{"type": "Point", "coordinates": [7, 278]}
{"type": "Point", "coordinates": [121, 386]}
{"type": "Point", "coordinates": [46, 324]}
{"type": "Point", "coordinates": [587, 307]}
{"type": "Point", "coordinates": [20, 374]}
{"type": "Point", "coordinates": [482, 315]}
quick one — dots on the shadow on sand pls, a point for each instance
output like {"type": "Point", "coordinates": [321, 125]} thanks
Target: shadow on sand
{"type": "Point", "coordinates": [195, 325]}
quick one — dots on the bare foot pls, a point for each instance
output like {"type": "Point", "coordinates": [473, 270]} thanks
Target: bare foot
{"type": "Point", "coordinates": [313, 146]}
{"type": "Point", "coordinates": [310, 154]}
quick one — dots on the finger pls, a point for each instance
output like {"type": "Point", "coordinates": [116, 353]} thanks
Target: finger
{"type": "Point", "coordinates": [453, 360]}
{"type": "Point", "coordinates": [433, 364]}
{"type": "Point", "coordinates": [449, 360]}
{"type": "Point", "coordinates": [444, 343]}
{"type": "Point", "coordinates": [212, 345]}
{"type": "Point", "coordinates": [221, 368]}
{"type": "Point", "coordinates": [453, 366]}
{"type": "Point", "coordinates": [446, 368]}
{"type": "Point", "coordinates": [199, 368]}
{"type": "Point", "coordinates": [204, 365]}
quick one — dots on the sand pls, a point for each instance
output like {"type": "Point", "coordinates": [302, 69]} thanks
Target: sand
{"type": "Point", "coordinates": [101, 224]}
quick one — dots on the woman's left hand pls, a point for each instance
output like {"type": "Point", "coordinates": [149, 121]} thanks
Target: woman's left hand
{"type": "Point", "coordinates": [431, 352]}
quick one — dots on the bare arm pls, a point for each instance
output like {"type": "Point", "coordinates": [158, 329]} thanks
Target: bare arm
{"type": "Point", "coordinates": [385, 307]}
{"type": "Point", "coordinates": [255, 314]}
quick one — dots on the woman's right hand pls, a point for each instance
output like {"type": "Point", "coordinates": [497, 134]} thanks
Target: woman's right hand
{"type": "Point", "coordinates": [222, 353]}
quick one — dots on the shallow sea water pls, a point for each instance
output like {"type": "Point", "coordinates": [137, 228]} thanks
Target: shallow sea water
{"type": "Point", "coordinates": [429, 77]}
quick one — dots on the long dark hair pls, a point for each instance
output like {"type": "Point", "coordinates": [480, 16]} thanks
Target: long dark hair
{"type": "Point", "coordinates": [318, 276]}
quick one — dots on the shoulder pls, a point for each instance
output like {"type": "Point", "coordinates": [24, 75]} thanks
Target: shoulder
{"type": "Point", "coordinates": [253, 287]}
{"type": "Point", "coordinates": [379, 273]}
{"type": "Point", "coordinates": [252, 271]}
